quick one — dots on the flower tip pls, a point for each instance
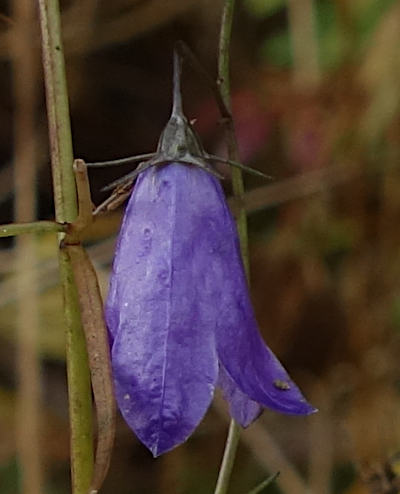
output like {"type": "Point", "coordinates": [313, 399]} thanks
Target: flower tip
{"type": "Point", "coordinates": [156, 450]}
{"type": "Point", "coordinates": [306, 409]}
{"type": "Point", "coordinates": [162, 443]}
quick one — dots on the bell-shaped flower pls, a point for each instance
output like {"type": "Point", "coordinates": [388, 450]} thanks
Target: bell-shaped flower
{"type": "Point", "coordinates": [179, 313]}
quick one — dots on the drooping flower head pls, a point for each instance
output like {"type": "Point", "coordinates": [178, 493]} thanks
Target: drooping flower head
{"type": "Point", "coordinates": [178, 310]}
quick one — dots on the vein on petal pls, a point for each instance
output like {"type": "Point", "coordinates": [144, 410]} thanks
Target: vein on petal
{"type": "Point", "coordinates": [168, 321]}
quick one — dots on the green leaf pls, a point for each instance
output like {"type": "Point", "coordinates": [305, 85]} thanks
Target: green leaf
{"type": "Point", "coordinates": [264, 484]}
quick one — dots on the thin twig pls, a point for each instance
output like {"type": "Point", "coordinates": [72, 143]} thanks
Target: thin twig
{"type": "Point", "coordinates": [12, 229]}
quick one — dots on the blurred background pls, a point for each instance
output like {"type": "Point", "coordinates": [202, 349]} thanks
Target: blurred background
{"type": "Point", "coordinates": [316, 100]}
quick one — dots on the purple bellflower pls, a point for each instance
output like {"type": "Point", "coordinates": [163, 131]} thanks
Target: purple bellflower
{"type": "Point", "coordinates": [178, 311]}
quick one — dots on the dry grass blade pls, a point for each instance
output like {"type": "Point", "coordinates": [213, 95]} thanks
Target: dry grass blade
{"type": "Point", "coordinates": [99, 359]}
{"type": "Point", "coordinates": [28, 424]}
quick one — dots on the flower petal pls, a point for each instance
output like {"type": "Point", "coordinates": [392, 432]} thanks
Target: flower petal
{"type": "Point", "coordinates": [241, 349]}
{"type": "Point", "coordinates": [158, 309]}
{"type": "Point", "coordinates": [241, 408]}
{"type": "Point", "coordinates": [252, 365]}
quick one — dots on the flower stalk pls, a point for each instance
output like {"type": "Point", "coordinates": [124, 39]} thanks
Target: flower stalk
{"type": "Point", "coordinates": [232, 441]}
{"type": "Point", "coordinates": [80, 405]}
{"type": "Point", "coordinates": [233, 153]}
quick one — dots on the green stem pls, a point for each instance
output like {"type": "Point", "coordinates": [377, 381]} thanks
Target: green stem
{"type": "Point", "coordinates": [58, 111]}
{"type": "Point", "coordinates": [231, 445]}
{"type": "Point", "coordinates": [80, 404]}
{"type": "Point", "coordinates": [241, 220]}
{"type": "Point", "coordinates": [224, 85]}
{"type": "Point", "coordinates": [12, 229]}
